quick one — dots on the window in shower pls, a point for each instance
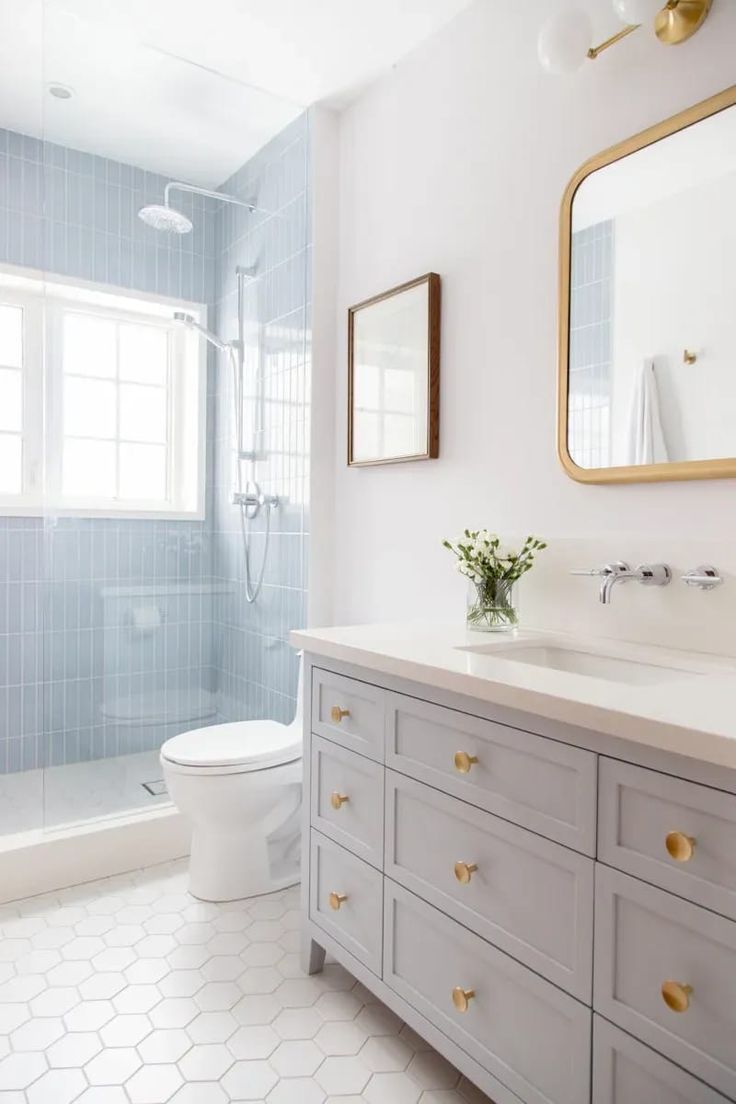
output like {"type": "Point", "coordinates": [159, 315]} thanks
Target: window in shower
{"type": "Point", "coordinates": [13, 456]}
{"type": "Point", "coordinates": [121, 428]}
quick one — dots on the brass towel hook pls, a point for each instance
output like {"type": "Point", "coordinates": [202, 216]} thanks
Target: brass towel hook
{"type": "Point", "coordinates": [689, 357]}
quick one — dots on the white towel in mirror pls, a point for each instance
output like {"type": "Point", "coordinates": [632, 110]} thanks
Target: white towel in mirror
{"type": "Point", "coordinates": [646, 443]}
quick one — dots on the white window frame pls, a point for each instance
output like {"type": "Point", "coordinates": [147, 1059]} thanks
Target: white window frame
{"type": "Point", "coordinates": [44, 298]}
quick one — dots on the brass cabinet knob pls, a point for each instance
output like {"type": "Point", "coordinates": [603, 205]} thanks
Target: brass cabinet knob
{"type": "Point", "coordinates": [676, 995]}
{"type": "Point", "coordinates": [337, 800]}
{"type": "Point", "coordinates": [337, 714]}
{"type": "Point", "coordinates": [337, 900]}
{"type": "Point", "coordinates": [465, 871]}
{"type": "Point", "coordinates": [679, 846]}
{"type": "Point", "coordinates": [461, 998]}
{"type": "Point", "coordinates": [463, 761]}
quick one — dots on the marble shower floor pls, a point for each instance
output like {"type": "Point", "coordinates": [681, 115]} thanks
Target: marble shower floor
{"type": "Point", "coordinates": [57, 796]}
{"type": "Point", "coordinates": [130, 991]}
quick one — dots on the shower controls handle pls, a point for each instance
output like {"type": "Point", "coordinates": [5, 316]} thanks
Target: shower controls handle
{"type": "Point", "coordinates": [249, 499]}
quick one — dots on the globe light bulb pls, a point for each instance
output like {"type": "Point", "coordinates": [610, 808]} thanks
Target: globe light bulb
{"type": "Point", "coordinates": [564, 41]}
{"type": "Point", "coordinates": [637, 11]}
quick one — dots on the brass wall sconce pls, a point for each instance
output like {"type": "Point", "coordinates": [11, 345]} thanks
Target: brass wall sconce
{"type": "Point", "coordinates": [565, 40]}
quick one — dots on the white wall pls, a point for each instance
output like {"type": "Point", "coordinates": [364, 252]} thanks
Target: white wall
{"type": "Point", "coordinates": [456, 162]}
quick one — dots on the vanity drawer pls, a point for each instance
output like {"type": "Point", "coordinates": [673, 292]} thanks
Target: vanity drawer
{"type": "Point", "coordinates": [346, 900]}
{"type": "Point", "coordinates": [527, 1033]}
{"type": "Point", "coordinates": [642, 813]}
{"type": "Point", "coordinates": [627, 1072]}
{"type": "Point", "coordinates": [531, 897]}
{"type": "Point", "coordinates": [346, 800]}
{"type": "Point", "coordinates": [644, 938]}
{"type": "Point", "coordinates": [539, 783]}
{"type": "Point", "coordinates": [348, 712]}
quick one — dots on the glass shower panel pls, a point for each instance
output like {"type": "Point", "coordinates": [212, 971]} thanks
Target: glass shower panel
{"type": "Point", "coordinates": [21, 567]}
{"type": "Point", "coordinates": [124, 617]}
{"type": "Point", "coordinates": [127, 587]}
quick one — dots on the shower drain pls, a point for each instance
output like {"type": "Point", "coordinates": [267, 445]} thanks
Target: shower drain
{"type": "Point", "coordinates": [155, 789]}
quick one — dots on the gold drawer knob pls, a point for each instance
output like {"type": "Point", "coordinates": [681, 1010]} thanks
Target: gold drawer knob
{"type": "Point", "coordinates": [337, 900]}
{"type": "Point", "coordinates": [676, 995]}
{"type": "Point", "coordinates": [465, 871]}
{"type": "Point", "coordinates": [679, 846]}
{"type": "Point", "coordinates": [337, 714]}
{"type": "Point", "coordinates": [463, 761]}
{"type": "Point", "coordinates": [337, 800]}
{"type": "Point", "coordinates": [461, 998]}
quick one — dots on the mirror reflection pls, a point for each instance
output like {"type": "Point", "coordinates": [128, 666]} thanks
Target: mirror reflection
{"type": "Point", "coordinates": [652, 330]}
{"type": "Point", "coordinates": [393, 361]}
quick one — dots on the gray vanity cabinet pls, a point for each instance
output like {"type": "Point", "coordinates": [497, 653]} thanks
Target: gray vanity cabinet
{"type": "Point", "coordinates": [555, 915]}
{"type": "Point", "coordinates": [530, 897]}
{"type": "Point", "coordinates": [627, 1072]}
{"type": "Point", "coordinates": [646, 938]}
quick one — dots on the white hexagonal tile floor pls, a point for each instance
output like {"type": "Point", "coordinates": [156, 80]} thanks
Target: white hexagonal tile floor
{"type": "Point", "coordinates": [129, 991]}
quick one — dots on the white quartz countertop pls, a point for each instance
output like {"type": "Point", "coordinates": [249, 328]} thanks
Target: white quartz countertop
{"type": "Point", "coordinates": [693, 715]}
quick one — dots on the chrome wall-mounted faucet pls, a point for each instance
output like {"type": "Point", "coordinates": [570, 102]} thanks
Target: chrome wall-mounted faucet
{"type": "Point", "coordinates": [619, 572]}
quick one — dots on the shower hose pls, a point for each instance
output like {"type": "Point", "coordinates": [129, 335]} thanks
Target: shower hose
{"type": "Point", "coordinates": [252, 589]}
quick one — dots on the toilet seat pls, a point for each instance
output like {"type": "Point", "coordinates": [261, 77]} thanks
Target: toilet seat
{"type": "Point", "coordinates": [236, 747]}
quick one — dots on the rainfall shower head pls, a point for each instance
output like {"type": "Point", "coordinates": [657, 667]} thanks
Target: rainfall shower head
{"type": "Point", "coordinates": [162, 217]}
{"type": "Point", "coordinates": [191, 323]}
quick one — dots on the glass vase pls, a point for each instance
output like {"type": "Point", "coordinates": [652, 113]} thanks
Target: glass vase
{"type": "Point", "coordinates": [492, 606]}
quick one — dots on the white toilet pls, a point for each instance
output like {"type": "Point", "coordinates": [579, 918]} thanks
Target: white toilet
{"type": "Point", "coordinates": [240, 785]}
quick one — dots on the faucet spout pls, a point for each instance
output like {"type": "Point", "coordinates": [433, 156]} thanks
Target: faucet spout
{"type": "Point", "coordinates": [613, 573]}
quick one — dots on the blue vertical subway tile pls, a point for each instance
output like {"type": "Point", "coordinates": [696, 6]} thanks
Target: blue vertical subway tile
{"type": "Point", "coordinates": [218, 642]}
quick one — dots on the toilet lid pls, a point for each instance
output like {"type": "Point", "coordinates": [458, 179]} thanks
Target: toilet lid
{"type": "Point", "coordinates": [238, 743]}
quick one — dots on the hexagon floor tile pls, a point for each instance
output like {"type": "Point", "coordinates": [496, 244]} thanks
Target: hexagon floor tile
{"type": "Point", "coordinates": [129, 990]}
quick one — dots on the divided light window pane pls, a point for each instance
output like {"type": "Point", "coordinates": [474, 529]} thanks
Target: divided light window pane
{"type": "Point", "coordinates": [89, 469]}
{"type": "Point", "coordinates": [11, 336]}
{"type": "Point", "coordinates": [144, 353]}
{"type": "Point", "coordinates": [11, 403]}
{"type": "Point", "coordinates": [143, 472]}
{"type": "Point", "coordinates": [126, 403]}
{"type": "Point", "coordinates": [142, 413]}
{"type": "Point", "coordinates": [89, 408]}
{"type": "Point", "coordinates": [11, 454]}
{"type": "Point", "coordinates": [90, 345]}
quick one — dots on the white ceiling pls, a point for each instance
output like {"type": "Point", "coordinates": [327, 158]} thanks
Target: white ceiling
{"type": "Point", "coordinates": [192, 88]}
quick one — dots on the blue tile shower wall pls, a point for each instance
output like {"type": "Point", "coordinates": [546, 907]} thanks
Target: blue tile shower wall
{"type": "Point", "coordinates": [591, 344]}
{"type": "Point", "coordinates": [78, 679]}
{"type": "Point", "coordinates": [71, 663]}
{"type": "Point", "coordinates": [257, 670]}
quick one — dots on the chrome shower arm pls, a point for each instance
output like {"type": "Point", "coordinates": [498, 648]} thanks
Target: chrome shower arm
{"type": "Point", "coordinates": [207, 193]}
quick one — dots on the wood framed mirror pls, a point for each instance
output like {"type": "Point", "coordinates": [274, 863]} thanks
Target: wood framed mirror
{"type": "Point", "coordinates": [394, 375]}
{"type": "Point", "coordinates": [647, 328]}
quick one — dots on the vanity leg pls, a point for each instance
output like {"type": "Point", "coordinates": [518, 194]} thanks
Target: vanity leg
{"type": "Point", "coordinates": [313, 956]}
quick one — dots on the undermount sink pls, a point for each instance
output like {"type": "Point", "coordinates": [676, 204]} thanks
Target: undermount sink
{"type": "Point", "coordinates": [593, 664]}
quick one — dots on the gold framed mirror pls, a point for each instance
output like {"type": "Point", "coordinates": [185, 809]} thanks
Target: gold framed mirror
{"type": "Point", "coordinates": [647, 328]}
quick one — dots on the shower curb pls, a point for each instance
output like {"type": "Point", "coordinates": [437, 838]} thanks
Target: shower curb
{"type": "Point", "coordinates": [41, 862]}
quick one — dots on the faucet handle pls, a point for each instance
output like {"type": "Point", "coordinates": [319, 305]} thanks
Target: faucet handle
{"type": "Point", "coordinates": [618, 567]}
{"type": "Point", "coordinates": [704, 577]}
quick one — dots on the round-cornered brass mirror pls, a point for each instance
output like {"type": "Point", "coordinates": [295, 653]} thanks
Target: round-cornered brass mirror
{"type": "Point", "coordinates": [647, 330]}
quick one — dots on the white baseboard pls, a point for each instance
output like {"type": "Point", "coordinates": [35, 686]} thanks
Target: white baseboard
{"type": "Point", "coordinates": [40, 862]}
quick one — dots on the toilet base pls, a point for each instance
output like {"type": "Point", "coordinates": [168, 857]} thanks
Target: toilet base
{"type": "Point", "coordinates": [232, 867]}
{"type": "Point", "coordinates": [246, 828]}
